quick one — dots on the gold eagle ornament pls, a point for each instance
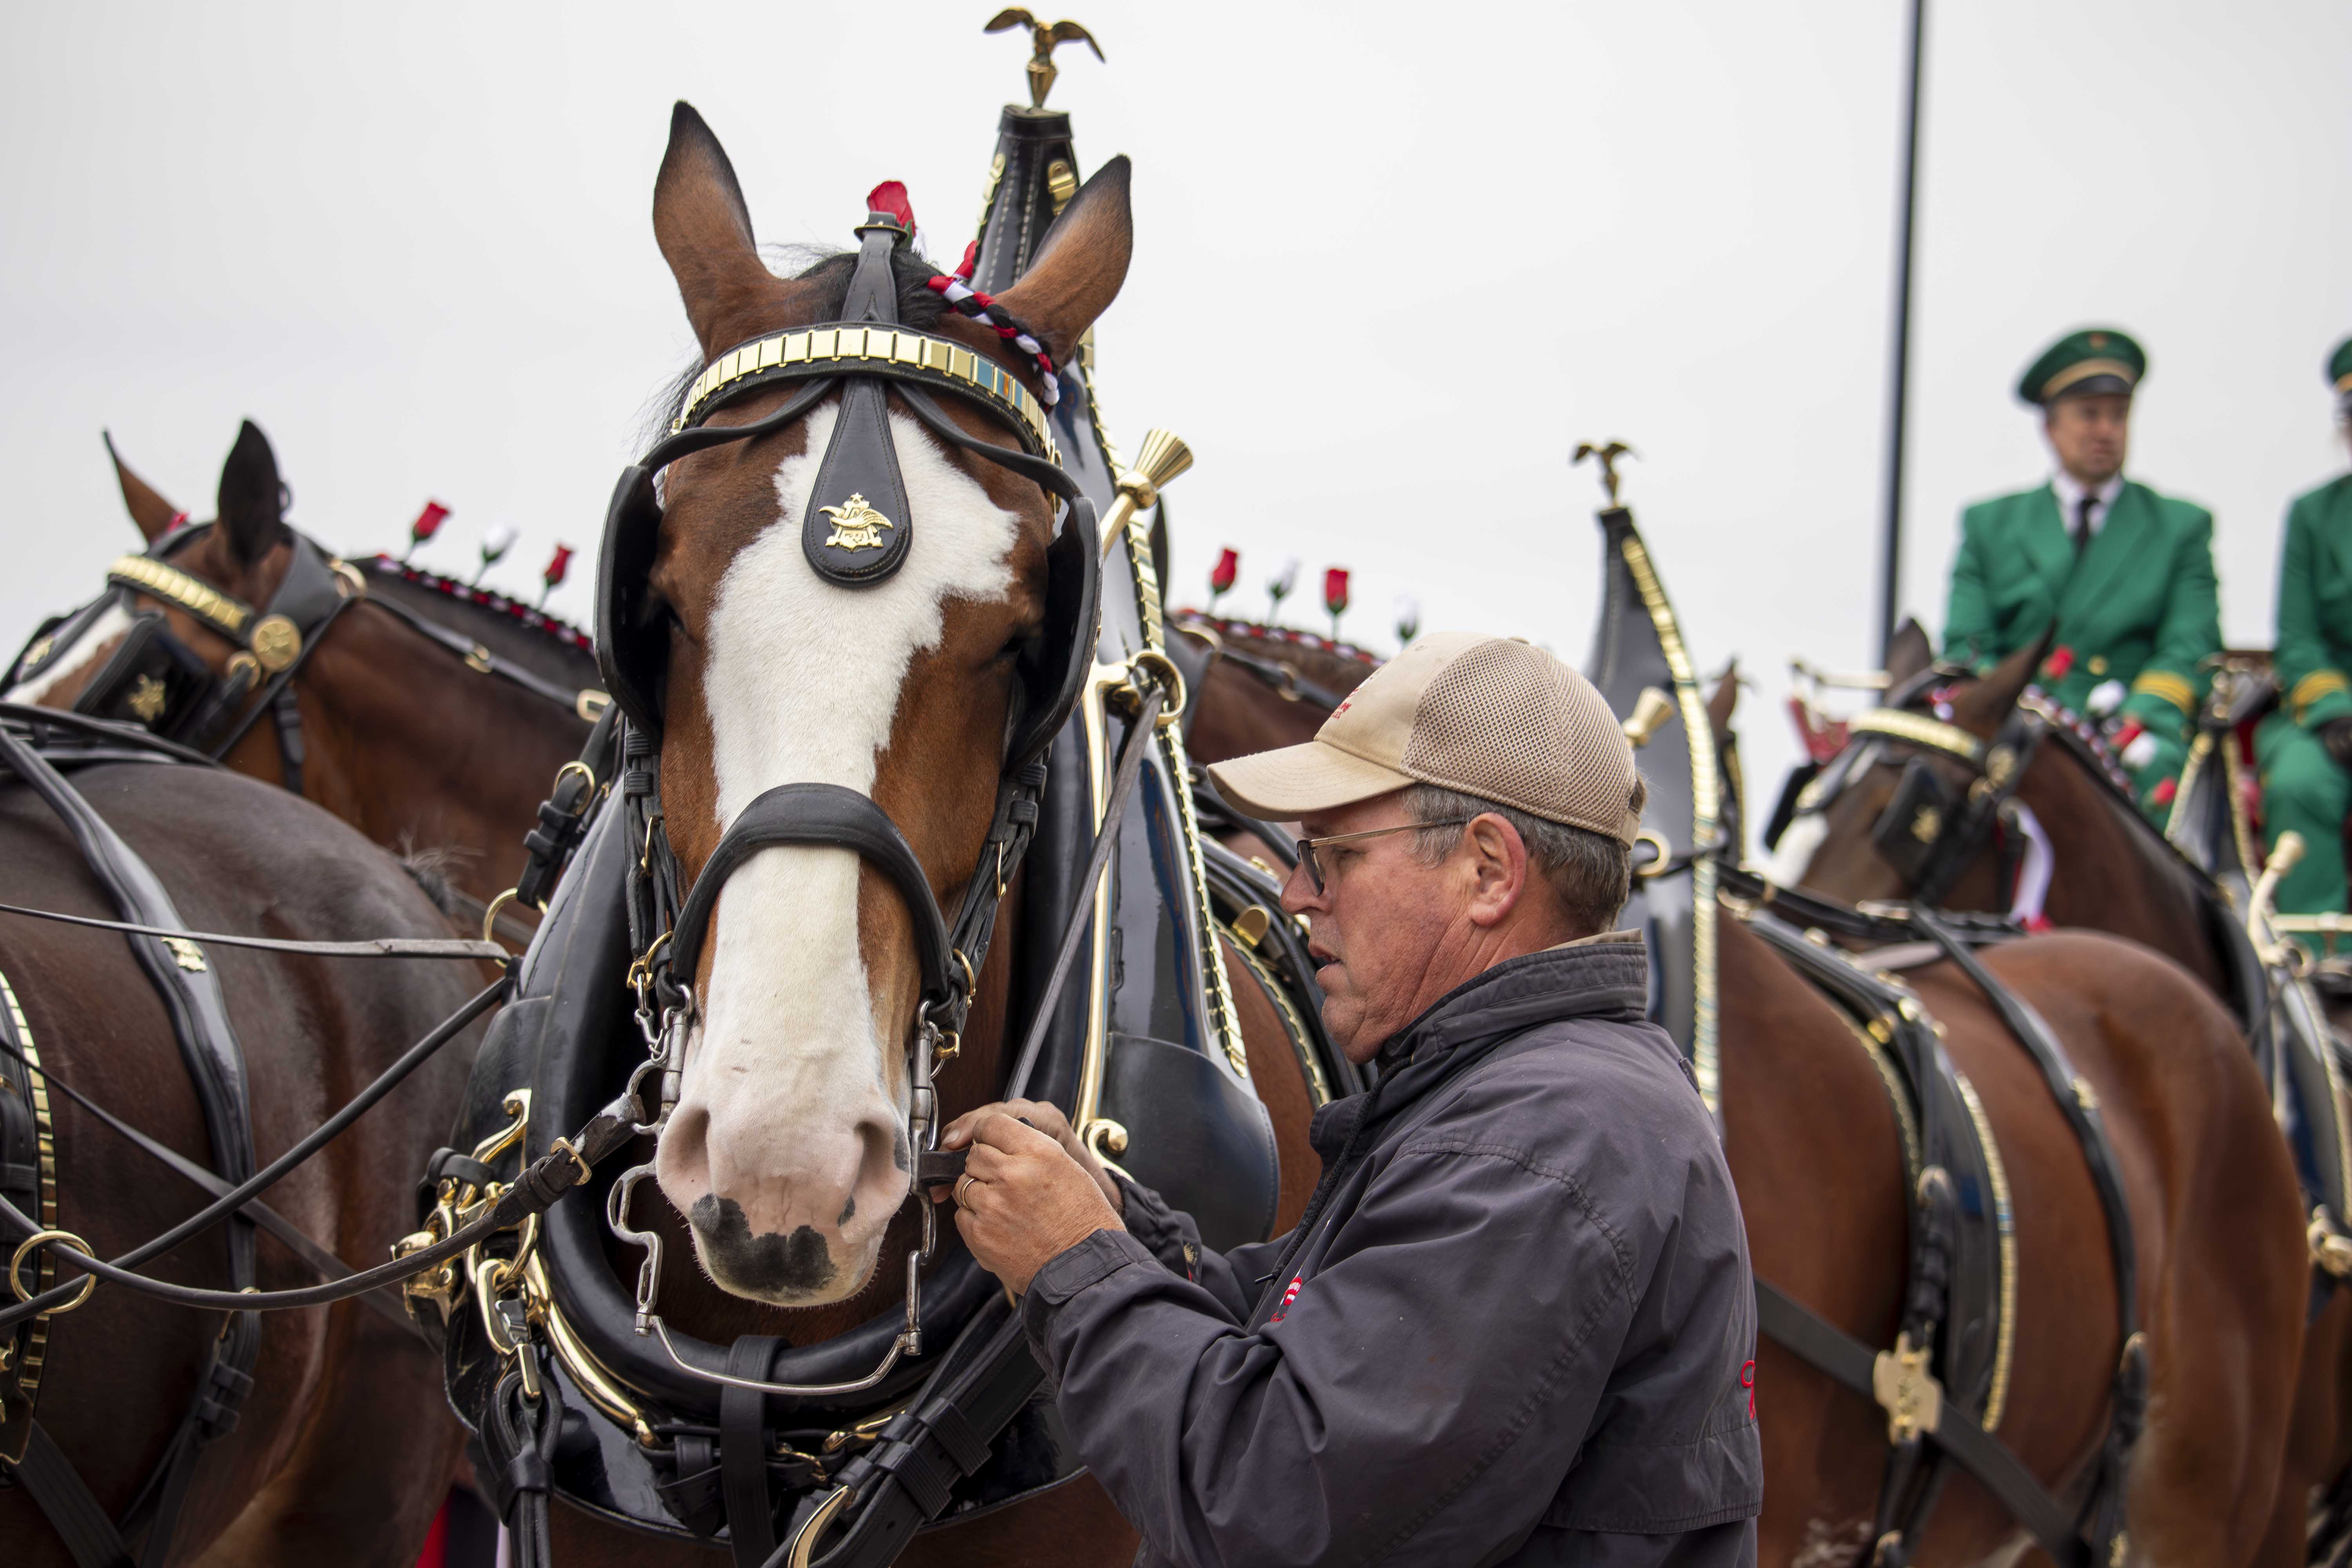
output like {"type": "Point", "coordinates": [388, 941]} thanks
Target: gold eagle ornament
{"type": "Point", "coordinates": [1042, 38]}
{"type": "Point", "coordinates": [856, 525]}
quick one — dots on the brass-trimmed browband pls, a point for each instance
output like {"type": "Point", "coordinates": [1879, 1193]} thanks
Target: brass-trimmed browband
{"type": "Point", "coordinates": [833, 351]}
{"type": "Point", "coordinates": [1919, 730]}
{"type": "Point", "coordinates": [228, 617]}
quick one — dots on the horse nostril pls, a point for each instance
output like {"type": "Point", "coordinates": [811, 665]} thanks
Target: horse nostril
{"type": "Point", "coordinates": [682, 1158]}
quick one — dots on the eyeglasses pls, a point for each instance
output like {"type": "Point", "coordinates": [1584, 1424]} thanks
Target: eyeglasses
{"type": "Point", "coordinates": [1314, 868]}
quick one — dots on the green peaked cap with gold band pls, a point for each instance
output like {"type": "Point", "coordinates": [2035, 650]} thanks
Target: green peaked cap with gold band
{"type": "Point", "coordinates": [2094, 360]}
{"type": "Point", "coordinates": [2339, 368]}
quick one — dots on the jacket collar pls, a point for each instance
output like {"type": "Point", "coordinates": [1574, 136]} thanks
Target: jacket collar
{"type": "Point", "coordinates": [1600, 978]}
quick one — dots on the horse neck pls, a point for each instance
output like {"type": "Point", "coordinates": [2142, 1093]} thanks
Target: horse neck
{"type": "Point", "coordinates": [2113, 873]}
{"type": "Point", "coordinates": [421, 753]}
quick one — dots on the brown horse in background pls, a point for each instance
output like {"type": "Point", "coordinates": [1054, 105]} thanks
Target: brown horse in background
{"type": "Point", "coordinates": [429, 757]}
{"type": "Point", "coordinates": [1261, 686]}
{"type": "Point", "coordinates": [2114, 873]}
{"type": "Point", "coordinates": [344, 1447]}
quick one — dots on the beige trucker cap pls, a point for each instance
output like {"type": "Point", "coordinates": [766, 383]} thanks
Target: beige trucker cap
{"type": "Point", "coordinates": [1493, 717]}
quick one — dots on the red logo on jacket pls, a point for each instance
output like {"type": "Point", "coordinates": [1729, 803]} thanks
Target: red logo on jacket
{"type": "Point", "coordinates": [1288, 1296]}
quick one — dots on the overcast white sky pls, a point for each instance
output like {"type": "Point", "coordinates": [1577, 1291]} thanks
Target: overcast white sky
{"type": "Point", "coordinates": [1392, 262]}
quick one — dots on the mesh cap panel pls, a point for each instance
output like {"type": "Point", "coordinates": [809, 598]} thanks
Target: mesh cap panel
{"type": "Point", "coordinates": [1509, 722]}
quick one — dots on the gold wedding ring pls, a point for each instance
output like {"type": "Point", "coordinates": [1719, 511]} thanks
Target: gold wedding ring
{"type": "Point", "coordinates": [962, 1183]}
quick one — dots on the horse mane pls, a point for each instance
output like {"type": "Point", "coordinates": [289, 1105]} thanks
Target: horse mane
{"type": "Point", "coordinates": [547, 646]}
{"type": "Point", "coordinates": [1338, 666]}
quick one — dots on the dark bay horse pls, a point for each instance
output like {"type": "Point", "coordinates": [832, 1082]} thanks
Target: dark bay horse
{"type": "Point", "coordinates": [344, 1449]}
{"type": "Point", "coordinates": [2111, 872]}
{"type": "Point", "coordinates": [439, 749]}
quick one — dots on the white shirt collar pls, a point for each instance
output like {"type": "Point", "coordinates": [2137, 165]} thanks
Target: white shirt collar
{"type": "Point", "coordinates": [2070, 499]}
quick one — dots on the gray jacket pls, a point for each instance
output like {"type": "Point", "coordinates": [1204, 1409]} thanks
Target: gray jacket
{"type": "Point", "coordinates": [1516, 1324]}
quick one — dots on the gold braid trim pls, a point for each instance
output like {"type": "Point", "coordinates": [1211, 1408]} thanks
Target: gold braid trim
{"type": "Point", "coordinates": [2315, 686]}
{"type": "Point", "coordinates": [2170, 687]}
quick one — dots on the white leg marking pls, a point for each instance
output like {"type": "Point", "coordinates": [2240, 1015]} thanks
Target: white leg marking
{"type": "Point", "coordinates": [98, 642]}
{"type": "Point", "coordinates": [802, 682]}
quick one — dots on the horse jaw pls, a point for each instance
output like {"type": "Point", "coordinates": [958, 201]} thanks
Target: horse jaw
{"type": "Point", "coordinates": [787, 1152]}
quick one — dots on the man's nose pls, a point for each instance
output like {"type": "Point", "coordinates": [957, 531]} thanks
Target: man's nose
{"type": "Point", "coordinates": [1298, 894]}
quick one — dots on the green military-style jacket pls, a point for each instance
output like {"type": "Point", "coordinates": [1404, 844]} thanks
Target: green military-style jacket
{"type": "Point", "coordinates": [2142, 606]}
{"type": "Point", "coordinates": [2315, 605]}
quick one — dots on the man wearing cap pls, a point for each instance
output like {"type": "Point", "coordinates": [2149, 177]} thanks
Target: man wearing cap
{"type": "Point", "coordinates": [1516, 1324]}
{"type": "Point", "coordinates": [2304, 749]}
{"type": "Point", "coordinates": [2126, 576]}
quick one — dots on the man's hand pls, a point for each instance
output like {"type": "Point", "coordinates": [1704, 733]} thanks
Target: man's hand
{"type": "Point", "coordinates": [1023, 1199]}
{"type": "Point", "coordinates": [1046, 1117]}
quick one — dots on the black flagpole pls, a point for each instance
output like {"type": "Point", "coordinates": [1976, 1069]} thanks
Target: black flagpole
{"type": "Point", "coordinates": [1891, 554]}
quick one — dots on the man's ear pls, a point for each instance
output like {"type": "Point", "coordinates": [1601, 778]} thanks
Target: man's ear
{"type": "Point", "coordinates": [1083, 264]}
{"type": "Point", "coordinates": [149, 509]}
{"type": "Point", "coordinates": [1500, 866]}
{"type": "Point", "coordinates": [252, 498]}
{"type": "Point", "coordinates": [705, 232]}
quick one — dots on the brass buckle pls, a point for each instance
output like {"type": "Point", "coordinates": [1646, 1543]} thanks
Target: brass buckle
{"type": "Point", "coordinates": [490, 915]}
{"type": "Point", "coordinates": [1901, 1383]}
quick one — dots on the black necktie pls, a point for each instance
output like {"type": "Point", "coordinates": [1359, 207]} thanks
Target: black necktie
{"type": "Point", "coordinates": [2082, 524]}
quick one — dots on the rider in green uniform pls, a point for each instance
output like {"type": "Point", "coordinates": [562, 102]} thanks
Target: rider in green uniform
{"type": "Point", "coordinates": [2304, 749]}
{"type": "Point", "coordinates": [2126, 574]}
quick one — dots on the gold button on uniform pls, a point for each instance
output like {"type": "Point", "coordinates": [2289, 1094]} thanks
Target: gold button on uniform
{"type": "Point", "coordinates": [2098, 665]}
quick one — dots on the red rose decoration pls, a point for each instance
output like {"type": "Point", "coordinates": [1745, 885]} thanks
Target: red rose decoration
{"type": "Point", "coordinates": [428, 522]}
{"type": "Point", "coordinates": [2162, 794]}
{"type": "Point", "coordinates": [2060, 661]}
{"type": "Point", "coordinates": [1335, 590]}
{"type": "Point", "coordinates": [559, 566]}
{"type": "Point", "coordinates": [1227, 568]}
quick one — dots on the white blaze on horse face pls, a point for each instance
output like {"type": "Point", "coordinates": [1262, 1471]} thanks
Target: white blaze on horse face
{"type": "Point", "coordinates": [105, 633]}
{"type": "Point", "coordinates": [1793, 856]}
{"type": "Point", "coordinates": [787, 1150]}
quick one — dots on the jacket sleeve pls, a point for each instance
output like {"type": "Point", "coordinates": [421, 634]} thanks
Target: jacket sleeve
{"type": "Point", "coordinates": [1969, 635]}
{"type": "Point", "coordinates": [1416, 1402]}
{"type": "Point", "coordinates": [2166, 692]}
{"type": "Point", "coordinates": [2315, 691]}
{"type": "Point", "coordinates": [1233, 1277]}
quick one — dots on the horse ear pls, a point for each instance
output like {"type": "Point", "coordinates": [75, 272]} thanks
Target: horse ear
{"type": "Point", "coordinates": [1079, 272]}
{"type": "Point", "coordinates": [1719, 706]}
{"type": "Point", "coordinates": [252, 500]}
{"type": "Point", "coordinates": [150, 510]}
{"type": "Point", "coordinates": [1909, 653]}
{"type": "Point", "coordinates": [704, 234]}
{"type": "Point", "coordinates": [1983, 706]}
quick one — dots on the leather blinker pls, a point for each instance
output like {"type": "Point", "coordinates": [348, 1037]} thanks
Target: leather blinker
{"type": "Point", "coordinates": [1913, 828]}
{"type": "Point", "coordinates": [859, 528]}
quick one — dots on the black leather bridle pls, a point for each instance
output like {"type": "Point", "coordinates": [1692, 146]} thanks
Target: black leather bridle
{"type": "Point", "coordinates": [155, 680]}
{"type": "Point", "coordinates": [866, 358]}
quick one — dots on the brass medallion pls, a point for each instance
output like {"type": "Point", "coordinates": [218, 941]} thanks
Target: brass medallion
{"type": "Point", "coordinates": [185, 953]}
{"type": "Point", "coordinates": [1061, 184]}
{"type": "Point", "coordinates": [147, 699]}
{"type": "Point", "coordinates": [1928, 825]}
{"type": "Point", "coordinates": [275, 642]}
{"type": "Point", "coordinates": [856, 525]}
{"type": "Point", "coordinates": [37, 652]}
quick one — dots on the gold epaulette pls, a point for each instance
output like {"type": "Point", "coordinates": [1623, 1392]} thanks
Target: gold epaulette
{"type": "Point", "coordinates": [2314, 687]}
{"type": "Point", "coordinates": [2171, 688]}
